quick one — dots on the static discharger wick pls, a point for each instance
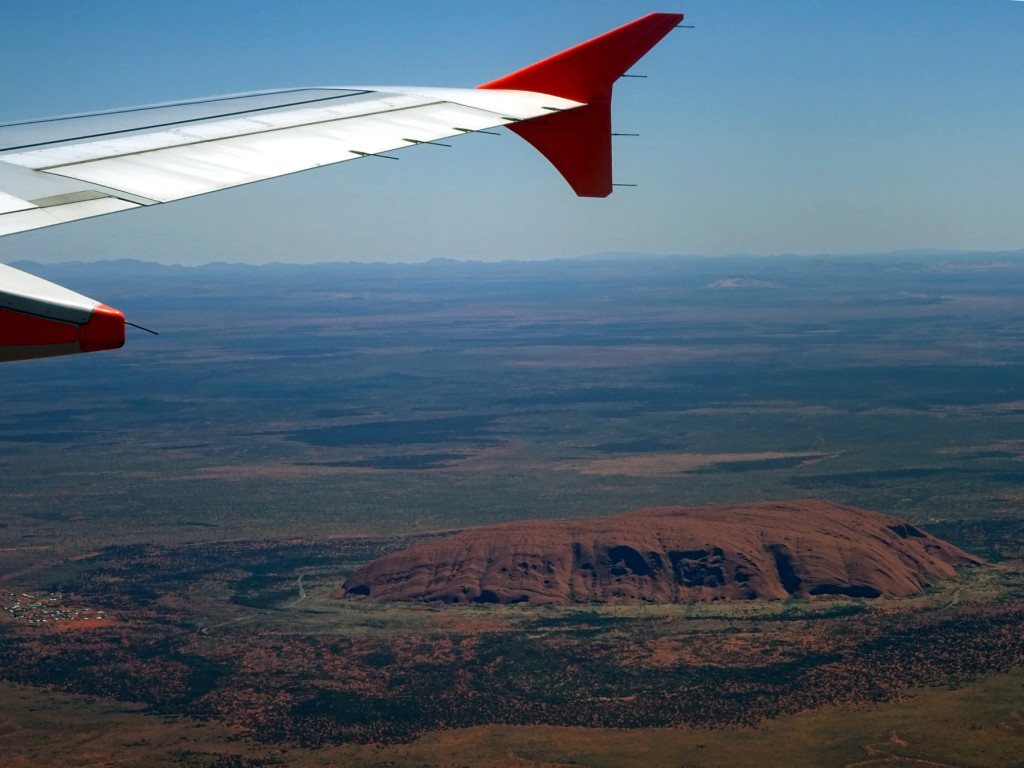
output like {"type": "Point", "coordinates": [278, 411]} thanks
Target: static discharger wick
{"type": "Point", "coordinates": [418, 141]}
{"type": "Point", "coordinates": [373, 154]}
{"type": "Point", "coordinates": [133, 325]}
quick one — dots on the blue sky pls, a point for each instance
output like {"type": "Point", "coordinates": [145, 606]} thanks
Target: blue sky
{"type": "Point", "coordinates": [803, 126]}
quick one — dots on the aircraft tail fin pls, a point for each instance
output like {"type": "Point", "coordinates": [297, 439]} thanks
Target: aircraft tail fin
{"type": "Point", "coordinates": [578, 141]}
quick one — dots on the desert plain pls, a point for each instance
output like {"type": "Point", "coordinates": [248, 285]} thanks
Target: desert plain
{"type": "Point", "coordinates": [179, 519]}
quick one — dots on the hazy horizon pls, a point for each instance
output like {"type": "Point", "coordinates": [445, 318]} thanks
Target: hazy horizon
{"type": "Point", "coordinates": [26, 263]}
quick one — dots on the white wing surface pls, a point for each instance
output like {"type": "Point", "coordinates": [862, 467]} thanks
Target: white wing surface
{"type": "Point", "coordinates": [90, 165]}
{"type": "Point", "coordinates": [77, 166]}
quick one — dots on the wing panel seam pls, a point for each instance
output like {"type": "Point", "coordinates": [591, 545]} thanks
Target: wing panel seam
{"type": "Point", "coordinates": [135, 153]}
{"type": "Point", "coordinates": [185, 103]}
{"type": "Point", "coordinates": [178, 122]}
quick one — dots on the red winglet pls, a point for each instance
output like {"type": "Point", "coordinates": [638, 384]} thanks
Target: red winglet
{"type": "Point", "coordinates": [578, 142]}
{"type": "Point", "coordinates": [105, 330]}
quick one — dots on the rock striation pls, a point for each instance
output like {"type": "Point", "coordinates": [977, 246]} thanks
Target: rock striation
{"type": "Point", "coordinates": [760, 551]}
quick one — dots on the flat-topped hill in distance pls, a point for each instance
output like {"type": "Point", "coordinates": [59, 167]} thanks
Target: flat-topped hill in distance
{"type": "Point", "coordinates": [759, 551]}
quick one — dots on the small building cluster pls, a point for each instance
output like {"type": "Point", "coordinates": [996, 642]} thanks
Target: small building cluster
{"type": "Point", "coordinates": [45, 608]}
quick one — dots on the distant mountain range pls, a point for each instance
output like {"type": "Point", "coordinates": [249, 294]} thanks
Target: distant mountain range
{"type": "Point", "coordinates": [142, 267]}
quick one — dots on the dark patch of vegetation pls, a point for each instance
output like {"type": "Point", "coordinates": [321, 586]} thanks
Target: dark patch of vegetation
{"type": "Point", "coordinates": [758, 464]}
{"type": "Point", "coordinates": [801, 611]}
{"type": "Point", "coordinates": [454, 429]}
{"type": "Point", "coordinates": [850, 590]}
{"type": "Point", "coordinates": [994, 540]}
{"type": "Point", "coordinates": [643, 445]}
{"type": "Point", "coordinates": [41, 437]}
{"type": "Point", "coordinates": [874, 478]}
{"type": "Point", "coordinates": [413, 461]}
{"type": "Point", "coordinates": [192, 759]}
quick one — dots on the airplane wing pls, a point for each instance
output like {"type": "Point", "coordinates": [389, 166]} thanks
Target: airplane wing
{"type": "Point", "coordinates": [78, 166]}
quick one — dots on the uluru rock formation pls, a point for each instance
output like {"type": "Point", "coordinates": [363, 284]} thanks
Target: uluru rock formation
{"type": "Point", "coordinates": [771, 550]}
